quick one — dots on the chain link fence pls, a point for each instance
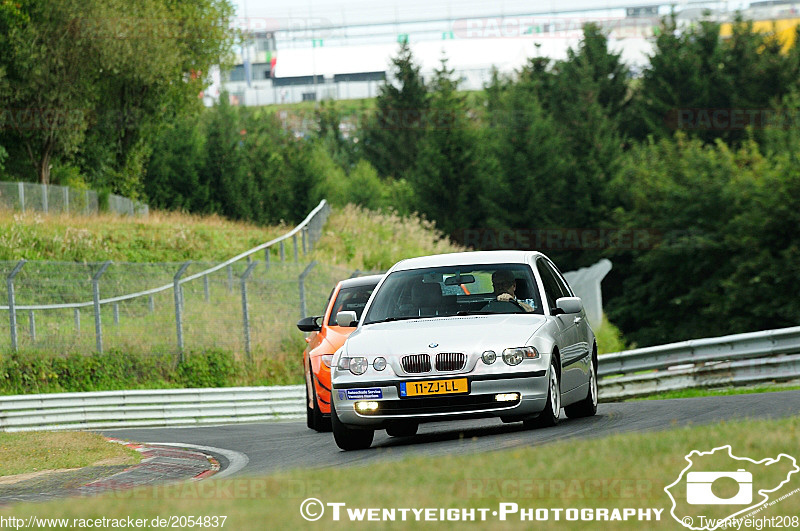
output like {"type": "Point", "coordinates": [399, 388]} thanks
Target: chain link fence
{"type": "Point", "coordinates": [49, 198]}
{"type": "Point", "coordinates": [248, 305]}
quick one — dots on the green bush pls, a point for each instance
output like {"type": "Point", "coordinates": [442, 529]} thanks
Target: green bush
{"type": "Point", "coordinates": [214, 368]}
{"type": "Point", "coordinates": [38, 372]}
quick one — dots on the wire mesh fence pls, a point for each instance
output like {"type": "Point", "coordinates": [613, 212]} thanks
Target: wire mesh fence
{"type": "Point", "coordinates": [245, 305]}
{"type": "Point", "coordinates": [212, 307]}
{"type": "Point", "coordinates": [49, 198]}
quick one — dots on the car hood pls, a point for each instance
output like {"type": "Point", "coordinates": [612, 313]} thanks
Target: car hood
{"type": "Point", "coordinates": [474, 333]}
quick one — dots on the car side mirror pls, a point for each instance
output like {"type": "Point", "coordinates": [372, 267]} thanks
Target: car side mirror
{"type": "Point", "coordinates": [309, 324]}
{"type": "Point", "coordinates": [569, 305]}
{"type": "Point", "coordinates": [348, 319]}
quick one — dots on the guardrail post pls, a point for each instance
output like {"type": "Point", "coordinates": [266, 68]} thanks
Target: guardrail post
{"type": "Point", "coordinates": [206, 294]}
{"type": "Point", "coordinates": [305, 234]}
{"type": "Point", "coordinates": [12, 311]}
{"type": "Point", "coordinates": [116, 313]}
{"type": "Point", "coordinates": [176, 288]}
{"type": "Point", "coordinates": [283, 253]}
{"type": "Point", "coordinates": [86, 208]}
{"type": "Point", "coordinates": [98, 327]}
{"type": "Point", "coordinates": [266, 258]}
{"type": "Point", "coordinates": [301, 281]}
{"type": "Point", "coordinates": [21, 191]}
{"type": "Point", "coordinates": [77, 320]}
{"type": "Point", "coordinates": [245, 313]}
{"type": "Point", "coordinates": [44, 198]}
{"type": "Point", "coordinates": [294, 241]}
{"type": "Point", "coordinates": [66, 199]}
{"type": "Point", "coordinates": [32, 325]}
{"type": "Point", "coordinates": [151, 303]}
{"type": "Point", "coordinates": [230, 278]}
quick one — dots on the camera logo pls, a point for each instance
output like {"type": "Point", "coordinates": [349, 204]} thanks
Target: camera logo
{"type": "Point", "coordinates": [698, 488]}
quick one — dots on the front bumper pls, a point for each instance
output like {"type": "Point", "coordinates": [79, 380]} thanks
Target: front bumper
{"type": "Point", "coordinates": [479, 402]}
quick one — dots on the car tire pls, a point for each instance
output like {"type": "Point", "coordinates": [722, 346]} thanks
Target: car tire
{"type": "Point", "coordinates": [588, 406]}
{"type": "Point", "coordinates": [348, 438]}
{"type": "Point", "coordinates": [309, 409]}
{"type": "Point", "coordinates": [315, 419]}
{"type": "Point", "coordinates": [402, 429]}
{"type": "Point", "coordinates": [549, 416]}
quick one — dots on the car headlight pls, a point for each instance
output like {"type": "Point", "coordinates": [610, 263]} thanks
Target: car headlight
{"type": "Point", "coordinates": [514, 356]}
{"type": "Point", "coordinates": [489, 357]}
{"type": "Point", "coordinates": [379, 363]}
{"type": "Point", "coordinates": [358, 365]}
{"type": "Point", "coordinates": [326, 359]}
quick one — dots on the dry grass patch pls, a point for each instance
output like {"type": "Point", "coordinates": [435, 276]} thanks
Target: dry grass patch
{"type": "Point", "coordinates": [374, 241]}
{"type": "Point", "coordinates": [27, 452]}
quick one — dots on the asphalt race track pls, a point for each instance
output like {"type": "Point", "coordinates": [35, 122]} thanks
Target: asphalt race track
{"type": "Point", "coordinates": [267, 447]}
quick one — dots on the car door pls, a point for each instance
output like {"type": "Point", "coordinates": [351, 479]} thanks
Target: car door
{"type": "Point", "coordinates": [572, 372]}
{"type": "Point", "coordinates": [582, 330]}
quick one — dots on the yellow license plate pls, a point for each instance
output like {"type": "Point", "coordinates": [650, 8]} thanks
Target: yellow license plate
{"type": "Point", "coordinates": [434, 387]}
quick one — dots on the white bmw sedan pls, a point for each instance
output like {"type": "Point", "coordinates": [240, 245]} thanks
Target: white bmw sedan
{"type": "Point", "coordinates": [464, 335]}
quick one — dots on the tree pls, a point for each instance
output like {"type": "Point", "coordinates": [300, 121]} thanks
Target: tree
{"type": "Point", "coordinates": [449, 179]}
{"type": "Point", "coordinates": [392, 135]}
{"type": "Point", "coordinates": [47, 91]}
{"type": "Point", "coordinates": [79, 81]}
{"type": "Point", "coordinates": [695, 72]}
{"type": "Point", "coordinates": [173, 178]}
{"type": "Point", "coordinates": [154, 62]}
{"type": "Point", "coordinates": [224, 172]}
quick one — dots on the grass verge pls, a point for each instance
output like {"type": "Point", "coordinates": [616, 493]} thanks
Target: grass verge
{"type": "Point", "coordinates": [21, 453]}
{"type": "Point", "coordinates": [623, 471]}
{"type": "Point", "coordinates": [727, 391]}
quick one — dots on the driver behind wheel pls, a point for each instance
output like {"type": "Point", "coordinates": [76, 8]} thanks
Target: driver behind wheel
{"type": "Point", "coordinates": [505, 286]}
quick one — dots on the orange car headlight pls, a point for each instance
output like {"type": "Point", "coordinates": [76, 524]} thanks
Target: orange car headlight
{"type": "Point", "coordinates": [327, 359]}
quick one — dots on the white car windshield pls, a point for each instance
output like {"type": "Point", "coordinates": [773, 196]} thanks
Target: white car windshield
{"type": "Point", "coordinates": [455, 290]}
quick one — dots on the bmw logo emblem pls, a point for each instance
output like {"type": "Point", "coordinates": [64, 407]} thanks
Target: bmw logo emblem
{"type": "Point", "coordinates": [433, 345]}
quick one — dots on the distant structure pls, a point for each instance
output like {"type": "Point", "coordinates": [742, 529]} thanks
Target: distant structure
{"type": "Point", "coordinates": [311, 59]}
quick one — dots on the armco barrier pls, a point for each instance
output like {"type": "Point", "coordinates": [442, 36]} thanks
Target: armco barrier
{"type": "Point", "coordinates": [161, 407]}
{"type": "Point", "coordinates": [741, 359]}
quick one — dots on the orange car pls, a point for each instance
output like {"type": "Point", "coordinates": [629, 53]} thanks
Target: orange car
{"type": "Point", "coordinates": [325, 339]}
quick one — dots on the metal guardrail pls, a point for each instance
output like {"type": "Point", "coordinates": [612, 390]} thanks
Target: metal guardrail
{"type": "Point", "coordinates": [734, 360]}
{"type": "Point", "coordinates": [741, 359]}
{"type": "Point", "coordinates": [163, 407]}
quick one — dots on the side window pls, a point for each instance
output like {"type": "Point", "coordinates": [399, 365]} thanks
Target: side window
{"type": "Point", "coordinates": [551, 288]}
{"type": "Point", "coordinates": [562, 284]}
{"type": "Point", "coordinates": [328, 303]}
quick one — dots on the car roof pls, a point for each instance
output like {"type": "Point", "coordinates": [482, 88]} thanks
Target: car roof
{"type": "Point", "coordinates": [467, 258]}
{"type": "Point", "coordinates": [361, 281]}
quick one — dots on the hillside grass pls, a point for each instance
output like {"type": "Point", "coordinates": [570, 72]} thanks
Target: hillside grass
{"type": "Point", "coordinates": [160, 237]}
{"type": "Point", "coordinates": [615, 472]}
{"type": "Point", "coordinates": [373, 241]}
